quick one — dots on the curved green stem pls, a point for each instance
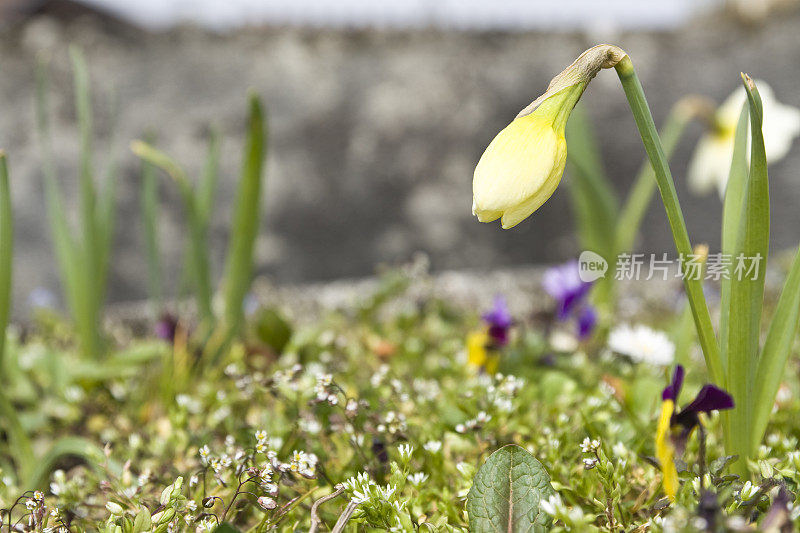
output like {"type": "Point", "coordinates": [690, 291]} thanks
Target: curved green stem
{"type": "Point", "coordinates": [652, 144]}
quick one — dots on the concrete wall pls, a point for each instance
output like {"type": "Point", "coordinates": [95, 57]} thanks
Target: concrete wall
{"type": "Point", "coordinates": [373, 136]}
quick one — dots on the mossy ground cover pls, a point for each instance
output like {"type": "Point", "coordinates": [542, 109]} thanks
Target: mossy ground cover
{"type": "Point", "coordinates": [380, 399]}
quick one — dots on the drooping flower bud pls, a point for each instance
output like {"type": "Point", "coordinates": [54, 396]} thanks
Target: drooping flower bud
{"type": "Point", "coordinates": [523, 165]}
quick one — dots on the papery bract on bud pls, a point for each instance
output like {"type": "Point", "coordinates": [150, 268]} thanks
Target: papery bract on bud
{"type": "Point", "coordinates": [524, 163]}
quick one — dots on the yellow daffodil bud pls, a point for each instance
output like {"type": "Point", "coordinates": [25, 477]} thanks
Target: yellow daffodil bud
{"type": "Point", "coordinates": [524, 163]}
{"type": "Point", "coordinates": [665, 451]}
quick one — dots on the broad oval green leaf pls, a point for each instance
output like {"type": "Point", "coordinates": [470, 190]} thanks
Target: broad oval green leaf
{"type": "Point", "coordinates": [506, 492]}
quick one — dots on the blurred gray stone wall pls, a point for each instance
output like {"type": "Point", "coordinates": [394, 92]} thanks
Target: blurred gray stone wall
{"type": "Point", "coordinates": [373, 136]}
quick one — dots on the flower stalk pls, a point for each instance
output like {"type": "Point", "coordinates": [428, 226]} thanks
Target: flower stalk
{"type": "Point", "coordinates": [655, 152]}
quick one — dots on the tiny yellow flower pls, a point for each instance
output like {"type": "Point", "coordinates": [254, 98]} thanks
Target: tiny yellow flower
{"type": "Point", "coordinates": [665, 451]}
{"type": "Point", "coordinates": [524, 163]}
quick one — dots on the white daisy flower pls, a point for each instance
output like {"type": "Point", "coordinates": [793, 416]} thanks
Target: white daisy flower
{"type": "Point", "coordinates": [711, 161]}
{"type": "Point", "coordinates": [642, 344]}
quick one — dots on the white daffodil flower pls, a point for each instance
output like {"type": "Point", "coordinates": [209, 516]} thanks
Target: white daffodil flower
{"type": "Point", "coordinates": [711, 161]}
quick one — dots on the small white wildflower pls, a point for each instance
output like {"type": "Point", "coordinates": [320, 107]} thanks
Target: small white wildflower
{"type": "Point", "coordinates": [114, 508]}
{"type": "Point", "coordinates": [405, 451]}
{"type": "Point", "coordinates": [590, 463]}
{"type": "Point", "coordinates": [351, 407]}
{"type": "Point", "coordinates": [503, 404]}
{"type": "Point", "coordinates": [642, 344]}
{"type": "Point", "coordinates": [737, 523]}
{"type": "Point", "coordinates": [418, 478]}
{"type": "Point", "coordinates": [433, 446]}
{"type": "Point", "coordinates": [590, 446]}
{"type": "Point", "coordinates": [267, 503]}
{"type": "Point", "coordinates": [620, 450]}
{"type": "Point", "coordinates": [467, 470]}
{"type": "Point", "coordinates": [388, 491]}
{"type": "Point", "coordinates": [748, 491]}
{"type": "Point", "coordinates": [205, 453]}
{"type": "Point", "coordinates": [551, 505]}
{"type": "Point", "coordinates": [359, 497]}
{"type": "Point", "coordinates": [794, 459]}
{"type": "Point", "coordinates": [310, 425]}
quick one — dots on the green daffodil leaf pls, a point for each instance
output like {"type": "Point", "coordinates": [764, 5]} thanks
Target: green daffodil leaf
{"type": "Point", "coordinates": [506, 492]}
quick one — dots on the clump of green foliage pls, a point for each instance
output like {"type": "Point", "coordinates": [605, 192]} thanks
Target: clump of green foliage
{"type": "Point", "coordinates": [374, 420]}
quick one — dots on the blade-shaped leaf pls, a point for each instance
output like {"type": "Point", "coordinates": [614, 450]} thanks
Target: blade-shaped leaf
{"type": "Point", "coordinates": [207, 189]}
{"type": "Point", "coordinates": [74, 278]}
{"type": "Point", "coordinates": [150, 214]}
{"type": "Point", "coordinates": [775, 354]}
{"type": "Point", "coordinates": [107, 206]}
{"type": "Point", "coordinates": [747, 286]}
{"type": "Point", "coordinates": [6, 253]}
{"type": "Point", "coordinates": [83, 109]}
{"type": "Point", "coordinates": [731, 216]}
{"type": "Point", "coordinates": [19, 443]}
{"type": "Point", "coordinates": [66, 446]}
{"type": "Point", "coordinates": [246, 218]}
{"type": "Point", "coordinates": [197, 242]}
{"type": "Point", "coordinates": [506, 492]}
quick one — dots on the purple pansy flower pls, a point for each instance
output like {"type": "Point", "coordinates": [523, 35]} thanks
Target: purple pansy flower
{"type": "Point", "coordinates": [166, 327]}
{"type": "Point", "coordinates": [499, 321]}
{"type": "Point", "coordinates": [710, 398]}
{"type": "Point", "coordinates": [565, 285]}
{"type": "Point", "coordinates": [587, 320]}
{"type": "Point", "coordinates": [675, 427]}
